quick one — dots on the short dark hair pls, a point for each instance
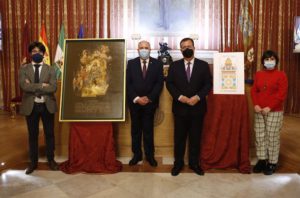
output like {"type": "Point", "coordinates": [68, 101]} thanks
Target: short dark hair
{"type": "Point", "coordinates": [37, 44]}
{"type": "Point", "coordinates": [268, 54]}
{"type": "Point", "coordinates": [187, 39]}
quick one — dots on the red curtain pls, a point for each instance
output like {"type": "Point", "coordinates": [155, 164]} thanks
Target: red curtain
{"type": "Point", "coordinates": [53, 13]}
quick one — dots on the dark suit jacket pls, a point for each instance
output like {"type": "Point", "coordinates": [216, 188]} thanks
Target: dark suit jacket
{"type": "Point", "coordinates": [200, 84]}
{"type": "Point", "coordinates": [151, 86]}
{"type": "Point", "coordinates": [33, 89]}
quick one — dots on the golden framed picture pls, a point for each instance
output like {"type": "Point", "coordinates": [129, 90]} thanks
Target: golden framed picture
{"type": "Point", "coordinates": [93, 80]}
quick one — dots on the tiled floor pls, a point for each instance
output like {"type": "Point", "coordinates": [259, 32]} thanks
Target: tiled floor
{"type": "Point", "coordinates": [44, 184]}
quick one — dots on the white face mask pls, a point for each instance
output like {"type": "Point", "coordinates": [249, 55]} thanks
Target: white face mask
{"type": "Point", "coordinates": [270, 64]}
{"type": "Point", "coordinates": [144, 53]}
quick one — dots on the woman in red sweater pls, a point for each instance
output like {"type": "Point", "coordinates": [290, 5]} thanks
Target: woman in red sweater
{"type": "Point", "coordinates": [268, 94]}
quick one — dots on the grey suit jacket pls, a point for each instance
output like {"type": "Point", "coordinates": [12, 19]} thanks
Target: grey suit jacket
{"type": "Point", "coordinates": [31, 90]}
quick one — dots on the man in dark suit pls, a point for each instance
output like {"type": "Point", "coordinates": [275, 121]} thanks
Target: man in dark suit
{"type": "Point", "coordinates": [38, 83]}
{"type": "Point", "coordinates": [144, 82]}
{"type": "Point", "coordinates": [189, 82]}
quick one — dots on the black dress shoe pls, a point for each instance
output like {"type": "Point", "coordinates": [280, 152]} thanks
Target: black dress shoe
{"type": "Point", "coordinates": [30, 169]}
{"type": "Point", "coordinates": [53, 165]}
{"type": "Point", "coordinates": [176, 170]}
{"type": "Point", "coordinates": [152, 161]}
{"type": "Point", "coordinates": [135, 160]}
{"type": "Point", "coordinates": [260, 166]}
{"type": "Point", "coordinates": [197, 169]}
{"type": "Point", "coordinates": [270, 169]}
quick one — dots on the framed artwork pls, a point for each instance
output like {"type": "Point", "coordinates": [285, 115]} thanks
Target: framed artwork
{"type": "Point", "coordinates": [164, 17]}
{"type": "Point", "coordinates": [93, 80]}
{"type": "Point", "coordinates": [228, 73]}
{"type": "Point", "coordinates": [296, 48]}
{"type": "Point", "coordinates": [1, 39]}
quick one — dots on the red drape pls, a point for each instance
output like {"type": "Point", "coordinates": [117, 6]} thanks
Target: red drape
{"type": "Point", "coordinates": [91, 149]}
{"type": "Point", "coordinates": [225, 138]}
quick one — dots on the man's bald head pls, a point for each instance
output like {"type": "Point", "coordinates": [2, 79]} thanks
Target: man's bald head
{"type": "Point", "coordinates": [144, 45]}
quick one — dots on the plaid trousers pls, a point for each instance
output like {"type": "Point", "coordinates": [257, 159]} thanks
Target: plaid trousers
{"type": "Point", "coordinates": [267, 130]}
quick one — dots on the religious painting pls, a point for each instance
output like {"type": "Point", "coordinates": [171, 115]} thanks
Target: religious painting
{"type": "Point", "coordinates": [164, 17]}
{"type": "Point", "coordinates": [229, 73]}
{"type": "Point", "coordinates": [93, 80]}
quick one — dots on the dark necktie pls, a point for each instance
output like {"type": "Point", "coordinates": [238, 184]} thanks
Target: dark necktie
{"type": "Point", "coordinates": [188, 71]}
{"type": "Point", "coordinates": [36, 73]}
{"type": "Point", "coordinates": [144, 69]}
{"type": "Point", "coordinates": [37, 76]}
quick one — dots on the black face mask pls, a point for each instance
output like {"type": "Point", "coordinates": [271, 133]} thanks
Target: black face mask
{"type": "Point", "coordinates": [188, 53]}
{"type": "Point", "coordinates": [37, 58]}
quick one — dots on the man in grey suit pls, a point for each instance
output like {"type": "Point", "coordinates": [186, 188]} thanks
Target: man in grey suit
{"type": "Point", "coordinates": [38, 83]}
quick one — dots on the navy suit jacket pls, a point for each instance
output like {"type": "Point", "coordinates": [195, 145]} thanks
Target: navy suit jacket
{"type": "Point", "coordinates": [200, 84]}
{"type": "Point", "coordinates": [151, 86]}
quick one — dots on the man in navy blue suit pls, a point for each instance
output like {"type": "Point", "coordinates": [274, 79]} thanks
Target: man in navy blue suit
{"type": "Point", "coordinates": [144, 82]}
{"type": "Point", "coordinates": [189, 82]}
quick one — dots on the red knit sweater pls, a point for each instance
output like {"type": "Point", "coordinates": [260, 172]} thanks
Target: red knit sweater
{"type": "Point", "coordinates": [269, 89]}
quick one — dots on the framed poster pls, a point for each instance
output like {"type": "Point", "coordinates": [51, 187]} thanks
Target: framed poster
{"type": "Point", "coordinates": [229, 73]}
{"type": "Point", "coordinates": [93, 80]}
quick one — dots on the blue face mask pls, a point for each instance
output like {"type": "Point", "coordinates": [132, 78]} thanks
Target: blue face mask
{"type": "Point", "coordinates": [144, 53]}
{"type": "Point", "coordinates": [270, 64]}
{"type": "Point", "coordinates": [37, 58]}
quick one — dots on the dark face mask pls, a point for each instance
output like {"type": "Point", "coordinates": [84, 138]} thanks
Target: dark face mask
{"type": "Point", "coordinates": [188, 53]}
{"type": "Point", "coordinates": [37, 58]}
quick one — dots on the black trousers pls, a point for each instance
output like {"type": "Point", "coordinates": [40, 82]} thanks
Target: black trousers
{"type": "Point", "coordinates": [40, 111]}
{"type": "Point", "coordinates": [187, 127]}
{"type": "Point", "coordinates": [142, 126]}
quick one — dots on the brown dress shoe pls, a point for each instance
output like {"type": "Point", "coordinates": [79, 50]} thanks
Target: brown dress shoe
{"type": "Point", "coordinates": [53, 165]}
